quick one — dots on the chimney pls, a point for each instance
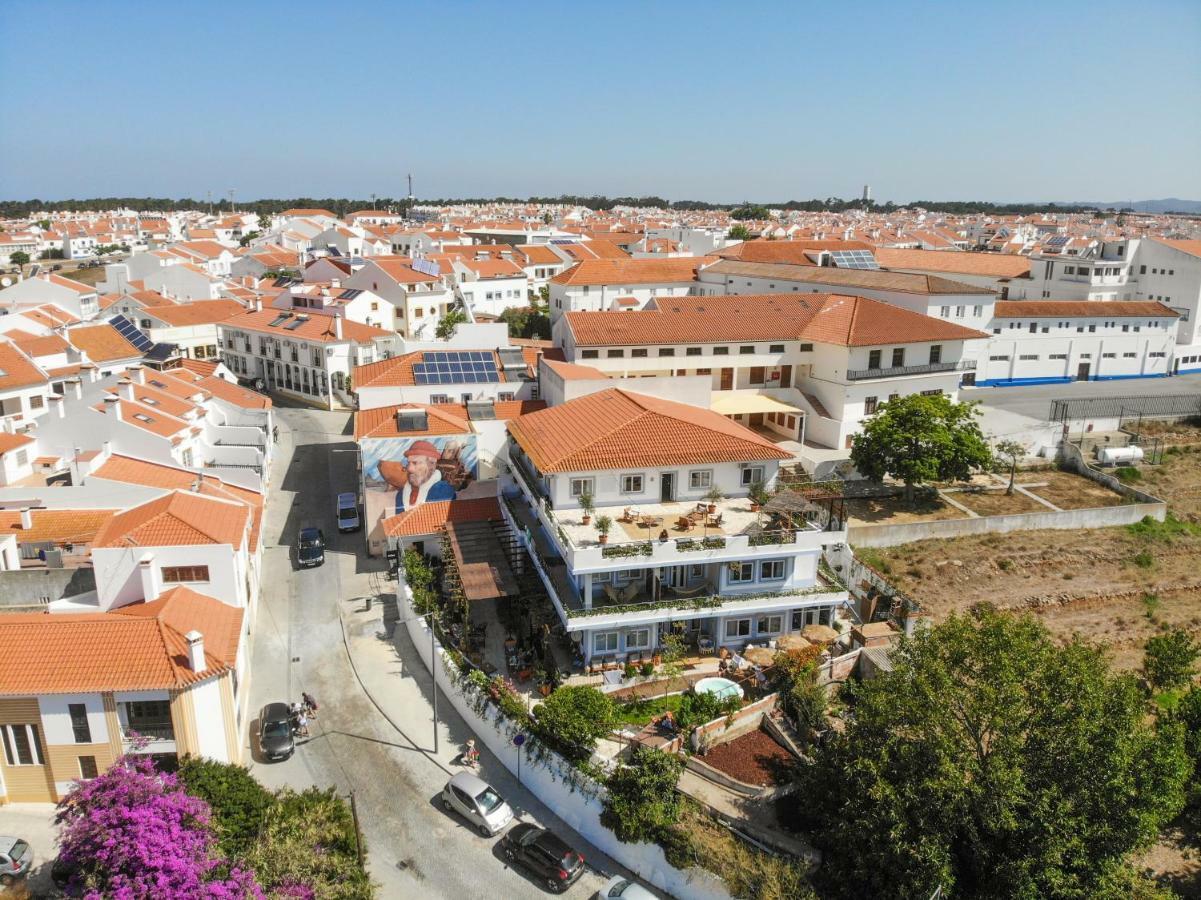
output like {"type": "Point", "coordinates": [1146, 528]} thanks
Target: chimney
{"type": "Point", "coordinates": [77, 386]}
{"type": "Point", "coordinates": [9, 425]}
{"type": "Point", "coordinates": [26, 518]}
{"type": "Point", "coordinates": [113, 405]}
{"type": "Point", "coordinates": [195, 651]}
{"type": "Point", "coordinates": [125, 389]}
{"type": "Point", "coordinates": [338, 327]}
{"type": "Point", "coordinates": [136, 374]}
{"type": "Point", "coordinates": [107, 449]}
{"type": "Point", "coordinates": [335, 282]}
{"type": "Point", "coordinates": [258, 304]}
{"type": "Point", "coordinates": [151, 585]}
{"type": "Point", "coordinates": [59, 404]}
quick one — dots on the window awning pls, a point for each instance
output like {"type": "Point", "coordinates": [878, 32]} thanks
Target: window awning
{"type": "Point", "coordinates": [732, 403]}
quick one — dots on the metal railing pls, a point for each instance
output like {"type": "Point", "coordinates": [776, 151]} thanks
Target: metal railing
{"type": "Point", "coordinates": [154, 731]}
{"type": "Point", "coordinates": [964, 365]}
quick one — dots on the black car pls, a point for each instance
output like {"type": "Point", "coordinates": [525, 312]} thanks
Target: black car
{"type": "Point", "coordinates": [544, 855]}
{"type": "Point", "coordinates": [275, 731]}
{"type": "Point", "coordinates": [310, 547]}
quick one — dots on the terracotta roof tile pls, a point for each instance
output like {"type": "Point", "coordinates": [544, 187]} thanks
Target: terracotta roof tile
{"type": "Point", "coordinates": [63, 526]}
{"type": "Point", "coordinates": [17, 370]}
{"type": "Point", "coordinates": [198, 312]}
{"type": "Point", "coordinates": [102, 343]}
{"type": "Point", "coordinates": [313, 327]}
{"type": "Point", "coordinates": [632, 271]}
{"type": "Point", "coordinates": [177, 519]}
{"type": "Point", "coordinates": [955, 262]}
{"type": "Point", "coordinates": [617, 429]}
{"type": "Point", "coordinates": [793, 252]}
{"type": "Point", "coordinates": [429, 518]}
{"type": "Point", "coordinates": [1119, 309]}
{"type": "Point", "coordinates": [905, 282]}
{"type": "Point", "coordinates": [13, 441]}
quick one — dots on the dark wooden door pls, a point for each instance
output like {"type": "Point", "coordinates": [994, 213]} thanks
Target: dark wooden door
{"type": "Point", "coordinates": [785, 376]}
{"type": "Point", "coordinates": [727, 379]}
{"type": "Point", "coordinates": [1082, 372]}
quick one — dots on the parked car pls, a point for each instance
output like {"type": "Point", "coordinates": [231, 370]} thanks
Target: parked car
{"type": "Point", "coordinates": [16, 858]}
{"type": "Point", "coordinates": [310, 547]}
{"type": "Point", "coordinates": [617, 886]}
{"type": "Point", "coordinates": [348, 513]}
{"type": "Point", "coordinates": [275, 731]}
{"type": "Point", "coordinates": [476, 801]}
{"type": "Point", "coordinates": [543, 855]}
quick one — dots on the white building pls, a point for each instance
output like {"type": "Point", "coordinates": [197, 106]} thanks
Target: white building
{"type": "Point", "coordinates": [621, 284]}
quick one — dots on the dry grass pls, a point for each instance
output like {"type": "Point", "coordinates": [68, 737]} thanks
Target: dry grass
{"type": "Point", "coordinates": [85, 276]}
{"type": "Point", "coordinates": [998, 503]}
{"type": "Point", "coordinates": [1068, 491]}
{"type": "Point", "coordinates": [895, 511]}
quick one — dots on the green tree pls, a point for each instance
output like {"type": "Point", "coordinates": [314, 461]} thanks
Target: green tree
{"type": "Point", "coordinates": [572, 718]}
{"type": "Point", "coordinates": [528, 321]}
{"type": "Point", "coordinates": [308, 839]}
{"type": "Point", "coordinates": [1170, 658]}
{"type": "Point", "coordinates": [749, 211]}
{"type": "Point", "coordinates": [995, 763]}
{"type": "Point", "coordinates": [449, 323]}
{"type": "Point", "coordinates": [920, 438]}
{"type": "Point", "coordinates": [44, 224]}
{"type": "Point", "coordinates": [18, 258]}
{"type": "Point", "coordinates": [1187, 714]}
{"type": "Point", "coordinates": [641, 798]}
{"type": "Point", "coordinates": [739, 233]}
{"type": "Point", "coordinates": [1011, 452]}
{"type": "Point", "coordinates": [237, 801]}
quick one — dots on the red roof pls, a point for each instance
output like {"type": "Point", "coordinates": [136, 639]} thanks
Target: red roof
{"type": "Point", "coordinates": [429, 518]}
{"type": "Point", "coordinates": [177, 519]}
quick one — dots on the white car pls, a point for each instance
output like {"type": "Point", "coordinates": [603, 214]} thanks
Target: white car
{"type": "Point", "coordinates": [478, 803]}
{"type": "Point", "coordinates": [348, 513]}
{"type": "Point", "coordinates": [617, 886]}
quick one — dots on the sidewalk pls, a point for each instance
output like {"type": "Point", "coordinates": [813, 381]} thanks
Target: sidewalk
{"type": "Point", "coordinates": [33, 822]}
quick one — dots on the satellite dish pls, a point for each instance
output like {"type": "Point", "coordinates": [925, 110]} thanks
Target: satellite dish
{"type": "Point", "coordinates": [6, 282]}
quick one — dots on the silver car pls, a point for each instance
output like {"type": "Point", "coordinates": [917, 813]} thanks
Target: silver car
{"type": "Point", "coordinates": [618, 886]}
{"type": "Point", "coordinates": [16, 858]}
{"type": "Point", "coordinates": [478, 803]}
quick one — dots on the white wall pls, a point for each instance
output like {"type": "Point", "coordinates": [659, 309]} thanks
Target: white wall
{"type": "Point", "coordinates": [210, 720]}
{"type": "Point", "coordinates": [119, 578]}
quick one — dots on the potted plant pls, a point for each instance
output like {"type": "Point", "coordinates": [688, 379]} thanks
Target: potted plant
{"type": "Point", "coordinates": [759, 496]}
{"type": "Point", "coordinates": [648, 669]}
{"type": "Point", "coordinates": [630, 670]}
{"type": "Point", "coordinates": [586, 505]}
{"type": "Point", "coordinates": [714, 496]}
{"type": "Point", "coordinates": [603, 525]}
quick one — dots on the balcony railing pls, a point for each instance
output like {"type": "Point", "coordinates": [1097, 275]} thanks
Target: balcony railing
{"type": "Point", "coordinates": [964, 365]}
{"type": "Point", "coordinates": [155, 731]}
{"type": "Point", "coordinates": [523, 471]}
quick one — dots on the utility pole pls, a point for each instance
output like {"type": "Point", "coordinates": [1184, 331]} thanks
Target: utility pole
{"type": "Point", "coordinates": [410, 188]}
{"type": "Point", "coordinates": [210, 199]}
{"type": "Point", "coordinates": [231, 200]}
{"type": "Point", "coordinates": [373, 202]}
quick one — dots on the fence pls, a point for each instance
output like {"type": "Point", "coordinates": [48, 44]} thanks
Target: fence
{"type": "Point", "coordinates": [1164, 406]}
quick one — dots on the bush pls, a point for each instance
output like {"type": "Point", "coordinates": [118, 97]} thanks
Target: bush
{"type": "Point", "coordinates": [1170, 658]}
{"type": "Point", "coordinates": [641, 799]}
{"type": "Point", "coordinates": [647, 670]}
{"type": "Point", "coordinates": [1143, 560]}
{"type": "Point", "coordinates": [697, 709]}
{"type": "Point", "coordinates": [572, 719]}
{"type": "Point", "coordinates": [1127, 474]}
{"type": "Point", "coordinates": [237, 801]}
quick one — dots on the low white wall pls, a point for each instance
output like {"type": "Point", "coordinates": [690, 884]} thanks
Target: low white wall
{"type": "Point", "coordinates": [580, 809]}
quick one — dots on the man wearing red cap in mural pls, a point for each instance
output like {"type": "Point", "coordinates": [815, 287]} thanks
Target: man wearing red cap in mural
{"type": "Point", "coordinates": [424, 481]}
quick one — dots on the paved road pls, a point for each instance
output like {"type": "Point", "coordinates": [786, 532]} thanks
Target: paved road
{"type": "Point", "coordinates": [1035, 400]}
{"type": "Point", "coordinates": [415, 847]}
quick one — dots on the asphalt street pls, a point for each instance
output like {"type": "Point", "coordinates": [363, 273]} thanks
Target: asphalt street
{"type": "Point", "coordinates": [1034, 401]}
{"type": "Point", "coordinates": [415, 848]}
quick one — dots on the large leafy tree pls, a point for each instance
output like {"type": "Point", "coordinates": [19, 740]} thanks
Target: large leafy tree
{"type": "Point", "coordinates": [573, 718]}
{"type": "Point", "coordinates": [921, 438]}
{"type": "Point", "coordinates": [641, 799]}
{"type": "Point", "coordinates": [996, 764]}
{"type": "Point", "coordinates": [238, 803]}
{"type": "Point", "coordinates": [134, 833]}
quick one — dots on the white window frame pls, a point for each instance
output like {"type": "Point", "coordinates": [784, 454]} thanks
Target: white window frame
{"type": "Point", "coordinates": [33, 735]}
{"type": "Point", "coordinates": [749, 476]}
{"type": "Point", "coordinates": [641, 644]}
{"type": "Point", "coordinates": [596, 640]}
{"type": "Point", "coordinates": [628, 574]}
{"type": "Point", "coordinates": [581, 486]}
{"type": "Point", "coordinates": [700, 479]}
{"type": "Point", "coordinates": [773, 564]}
{"type": "Point", "coordinates": [628, 477]}
{"type": "Point", "coordinates": [737, 623]}
{"type": "Point", "coordinates": [767, 620]}
{"type": "Point", "coordinates": [736, 578]}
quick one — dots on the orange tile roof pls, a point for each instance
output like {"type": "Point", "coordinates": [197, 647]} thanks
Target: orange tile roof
{"type": "Point", "coordinates": [617, 429]}
{"type": "Point", "coordinates": [792, 252]}
{"type": "Point", "coordinates": [400, 270]}
{"type": "Point", "coordinates": [199, 366]}
{"type": "Point", "coordinates": [430, 518]}
{"type": "Point", "coordinates": [829, 318]}
{"type": "Point", "coordinates": [1193, 248]}
{"type": "Point", "coordinates": [13, 441]}
{"type": "Point", "coordinates": [177, 519]}
{"type": "Point", "coordinates": [312, 328]}
{"type": "Point", "coordinates": [162, 401]}
{"type": "Point", "coordinates": [232, 393]}
{"type": "Point", "coordinates": [398, 370]}
{"type": "Point", "coordinates": [996, 265]}
{"type": "Point", "coordinates": [131, 470]}
{"type": "Point", "coordinates": [1119, 309]}
{"type": "Point", "coordinates": [198, 312]}
{"type": "Point", "coordinates": [904, 282]}
{"type": "Point", "coordinates": [139, 647]}
{"type": "Point", "coordinates": [102, 343]}
{"type": "Point", "coordinates": [573, 371]}
{"type": "Point", "coordinates": [46, 345]}
{"type": "Point", "coordinates": [632, 271]}
{"type": "Point", "coordinates": [77, 286]}
{"type": "Point", "coordinates": [62, 526]}
{"type": "Point", "coordinates": [539, 255]}
{"type": "Point", "coordinates": [17, 370]}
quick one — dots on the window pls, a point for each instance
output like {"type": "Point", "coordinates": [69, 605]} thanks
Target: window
{"type": "Point", "coordinates": [638, 353]}
{"type": "Point", "coordinates": [746, 349]}
{"type": "Point", "coordinates": [776, 348]}
{"type": "Point", "coordinates": [178, 574]}
{"type": "Point", "coordinates": [79, 722]}
{"type": "Point", "coordinates": [978, 310]}
{"type": "Point", "coordinates": [1058, 356]}
{"type": "Point", "coordinates": [36, 403]}
{"type": "Point", "coordinates": [898, 357]}
{"type": "Point", "coordinates": [589, 354]}
{"type": "Point", "coordinates": [581, 486]}
{"type": "Point", "coordinates": [1157, 354]}
{"type": "Point", "coordinates": [638, 639]}
{"type": "Point", "coordinates": [628, 574]}
{"type": "Point", "coordinates": [87, 767]}
{"type": "Point", "coordinates": [700, 479]}
{"type": "Point", "coordinates": [736, 628]}
{"type": "Point", "coordinates": [1109, 356]}
{"type": "Point", "coordinates": [742, 572]}
{"type": "Point", "coordinates": [505, 396]}
{"type": "Point", "coordinates": [934, 393]}
{"type": "Point", "coordinates": [935, 354]}
{"type": "Point", "coordinates": [1142, 270]}
{"type": "Point", "coordinates": [22, 457]}
{"type": "Point", "coordinates": [1028, 357]}
{"type": "Point", "coordinates": [870, 404]}
{"type": "Point", "coordinates": [806, 348]}
{"type": "Point", "coordinates": [873, 359]}
{"type": "Point", "coordinates": [771, 570]}
{"type": "Point", "coordinates": [631, 484]}
{"type": "Point", "coordinates": [769, 625]}
{"type": "Point", "coordinates": [667, 351]}
{"type": "Point", "coordinates": [692, 351]}
{"type": "Point", "coordinates": [944, 312]}
{"type": "Point", "coordinates": [604, 642]}
{"type": "Point", "coordinates": [615, 354]}
{"type": "Point", "coordinates": [751, 474]}
{"type": "Point", "coordinates": [22, 746]}
{"type": "Point", "coordinates": [998, 358]}
{"type": "Point", "coordinates": [439, 398]}
{"type": "Point", "coordinates": [958, 312]}
{"type": "Point", "coordinates": [721, 351]}
{"type": "Point", "coordinates": [1129, 355]}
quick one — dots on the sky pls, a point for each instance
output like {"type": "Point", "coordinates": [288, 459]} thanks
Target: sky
{"type": "Point", "coordinates": [760, 101]}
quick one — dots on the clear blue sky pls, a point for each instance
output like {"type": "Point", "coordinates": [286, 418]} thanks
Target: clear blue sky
{"type": "Point", "coordinates": [724, 101]}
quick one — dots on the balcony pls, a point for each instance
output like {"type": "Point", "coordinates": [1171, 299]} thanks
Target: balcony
{"type": "Point", "coordinates": [963, 365]}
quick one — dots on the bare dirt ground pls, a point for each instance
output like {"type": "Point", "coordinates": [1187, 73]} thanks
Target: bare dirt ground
{"type": "Point", "coordinates": [995, 502]}
{"type": "Point", "coordinates": [1068, 491]}
{"type": "Point", "coordinates": [894, 510]}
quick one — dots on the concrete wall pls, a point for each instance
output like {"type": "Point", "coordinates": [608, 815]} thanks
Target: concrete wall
{"type": "Point", "coordinates": [30, 587]}
{"type": "Point", "coordinates": [579, 809]}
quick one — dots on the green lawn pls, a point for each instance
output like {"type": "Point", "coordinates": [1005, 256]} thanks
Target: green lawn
{"type": "Point", "coordinates": [640, 712]}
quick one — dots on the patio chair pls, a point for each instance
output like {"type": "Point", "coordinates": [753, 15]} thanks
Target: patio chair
{"type": "Point", "coordinates": [611, 593]}
{"type": "Point", "coordinates": [629, 593]}
{"type": "Point", "coordinates": [629, 514]}
{"type": "Point", "coordinates": [683, 523]}
{"type": "Point", "coordinates": [714, 521]}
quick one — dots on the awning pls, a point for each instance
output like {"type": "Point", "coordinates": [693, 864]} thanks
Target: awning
{"type": "Point", "coordinates": [733, 403]}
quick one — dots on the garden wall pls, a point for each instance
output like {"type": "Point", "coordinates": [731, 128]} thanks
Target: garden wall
{"type": "Point", "coordinates": [721, 730]}
{"type": "Point", "coordinates": [568, 793]}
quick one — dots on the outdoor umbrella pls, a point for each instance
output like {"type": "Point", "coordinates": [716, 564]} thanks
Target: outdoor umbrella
{"type": "Point", "coordinates": [792, 642]}
{"type": "Point", "coordinates": [760, 656]}
{"type": "Point", "coordinates": [819, 634]}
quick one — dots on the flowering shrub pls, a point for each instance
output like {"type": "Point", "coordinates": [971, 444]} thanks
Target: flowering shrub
{"type": "Point", "coordinates": [134, 833]}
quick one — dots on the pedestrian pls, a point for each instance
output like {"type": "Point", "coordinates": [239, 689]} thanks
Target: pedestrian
{"type": "Point", "coordinates": [310, 705]}
{"type": "Point", "coordinates": [302, 724]}
{"type": "Point", "coordinates": [275, 433]}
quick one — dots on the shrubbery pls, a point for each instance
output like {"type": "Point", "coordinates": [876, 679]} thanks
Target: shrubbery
{"type": "Point", "coordinates": [572, 719]}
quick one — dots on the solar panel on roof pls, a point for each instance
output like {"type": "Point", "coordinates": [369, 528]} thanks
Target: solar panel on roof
{"type": "Point", "coordinates": [162, 352]}
{"type": "Point", "coordinates": [130, 332]}
{"type": "Point", "coordinates": [854, 259]}
{"type": "Point", "coordinates": [295, 323]}
{"type": "Point", "coordinates": [282, 317]}
{"type": "Point", "coordinates": [455, 367]}
{"type": "Point", "coordinates": [349, 294]}
{"type": "Point", "coordinates": [427, 267]}
{"type": "Point", "coordinates": [1058, 240]}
